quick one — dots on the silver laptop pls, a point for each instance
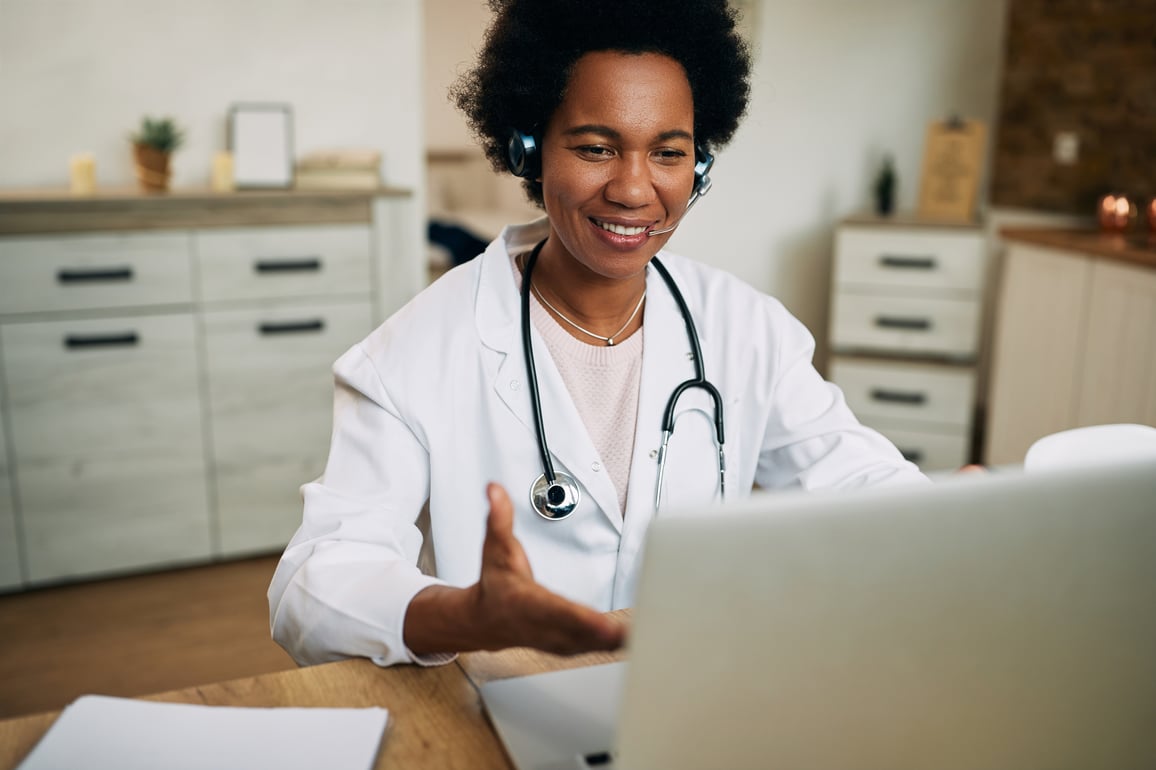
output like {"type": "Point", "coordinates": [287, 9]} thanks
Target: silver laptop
{"type": "Point", "coordinates": [998, 621]}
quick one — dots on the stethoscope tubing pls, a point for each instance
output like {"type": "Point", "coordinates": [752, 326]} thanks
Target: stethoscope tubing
{"type": "Point", "coordinates": [699, 380]}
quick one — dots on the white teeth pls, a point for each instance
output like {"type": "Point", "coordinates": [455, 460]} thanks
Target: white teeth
{"type": "Point", "coordinates": [620, 229]}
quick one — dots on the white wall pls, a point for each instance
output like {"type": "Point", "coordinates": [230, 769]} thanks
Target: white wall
{"type": "Point", "coordinates": [837, 84]}
{"type": "Point", "coordinates": [78, 75]}
{"type": "Point", "coordinates": [454, 30]}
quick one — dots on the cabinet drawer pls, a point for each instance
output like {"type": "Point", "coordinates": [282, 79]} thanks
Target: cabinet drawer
{"type": "Point", "coordinates": [109, 455]}
{"type": "Point", "coordinates": [915, 393]}
{"type": "Point", "coordinates": [271, 389]}
{"type": "Point", "coordinates": [282, 262]}
{"type": "Point", "coordinates": [941, 326]}
{"type": "Point", "coordinates": [930, 450]}
{"type": "Point", "coordinates": [119, 385]}
{"type": "Point", "coordinates": [96, 271]}
{"type": "Point", "coordinates": [917, 259]}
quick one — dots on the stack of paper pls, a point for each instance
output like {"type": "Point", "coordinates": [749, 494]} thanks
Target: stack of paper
{"type": "Point", "coordinates": [97, 732]}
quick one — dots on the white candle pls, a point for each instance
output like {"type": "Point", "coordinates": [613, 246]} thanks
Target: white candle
{"type": "Point", "coordinates": [223, 172]}
{"type": "Point", "coordinates": [82, 173]}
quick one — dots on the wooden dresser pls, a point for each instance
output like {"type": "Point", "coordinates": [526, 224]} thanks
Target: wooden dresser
{"type": "Point", "coordinates": [1074, 337]}
{"type": "Point", "coordinates": [165, 382]}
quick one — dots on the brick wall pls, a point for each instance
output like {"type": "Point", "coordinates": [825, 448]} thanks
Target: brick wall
{"type": "Point", "coordinates": [1084, 66]}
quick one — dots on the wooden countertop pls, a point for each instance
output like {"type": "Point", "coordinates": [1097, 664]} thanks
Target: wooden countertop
{"type": "Point", "coordinates": [26, 212]}
{"type": "Point", "coordinates": [1137, 248]}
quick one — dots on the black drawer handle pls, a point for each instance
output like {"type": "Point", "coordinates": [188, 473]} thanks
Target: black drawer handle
{"type": "Point", "coordinates": [303, 265]}
{"type": "Point", "coordinates": [291, 327]}
{"type": "Point", "coordinates": [912, 455]}
{"type": "Point", "coordinates": [81, 341]}
{"type": "Point", "coordinates": [898, 396]}
{"type": "Point", "coordinates": [907, 263]}
{"type": "Point", "coordinates": [910, 324]}
{"type": "Point", "coordinates": [93, 275]}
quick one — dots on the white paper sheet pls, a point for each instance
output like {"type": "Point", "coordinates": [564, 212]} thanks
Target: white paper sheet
{"type": "Point", "coordinates": [99, 732]}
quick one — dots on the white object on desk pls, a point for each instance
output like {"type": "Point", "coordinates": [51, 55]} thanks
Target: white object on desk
{"type": "Point", "coordinates": [1092, 445]}
{"type": "Point", "coordinates": [98, 732]}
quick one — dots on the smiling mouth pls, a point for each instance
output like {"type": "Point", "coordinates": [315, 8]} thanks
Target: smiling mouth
{"type": "Point", "coordinates": [619, 229]}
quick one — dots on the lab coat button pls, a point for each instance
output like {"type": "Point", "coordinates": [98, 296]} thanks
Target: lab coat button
{"type": "Point", "coordinates": [653, 453]}
{"type": "Point", "coordinates": [514, 384]}
{"type": "Point", "coordinates": [596, 467]}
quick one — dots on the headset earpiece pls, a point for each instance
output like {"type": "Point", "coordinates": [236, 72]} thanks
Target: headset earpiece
{"type": "Point", "coordinates": [522, 156]}
{"type": "Point", "coordinates": [703, 160]}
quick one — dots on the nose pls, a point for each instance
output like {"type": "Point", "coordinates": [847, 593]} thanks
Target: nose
{"type": "Point", "coordinates": [631, 183]}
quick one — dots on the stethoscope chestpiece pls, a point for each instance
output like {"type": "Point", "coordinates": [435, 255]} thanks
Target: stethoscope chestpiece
{"type": "Point", "coordinates": [555, 500]}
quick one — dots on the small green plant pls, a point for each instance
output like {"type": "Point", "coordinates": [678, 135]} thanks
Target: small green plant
{"type": "Point", "coordinates": [161, 134]}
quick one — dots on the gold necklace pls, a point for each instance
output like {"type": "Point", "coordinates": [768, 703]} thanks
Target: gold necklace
{"type": "Point", "coordinates": [608, 340]}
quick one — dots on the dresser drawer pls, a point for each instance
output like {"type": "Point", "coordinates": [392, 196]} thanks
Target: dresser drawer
{"type": "Point", "coordinates": [271, 389]}
{"type": "Point", "coordinates": [906, 392]}
{"type": "Point", "coordinates": [930, 450]}
{"type": "Point", "coordinates": [283, 262]}
{"type": "Point", "coordinates": [879, 322]}
{"type": "Point", "coordinates": [93, 271]}
{"type": "Point", "coordinates": [109, 455]}
{"type": "Point", "coordinates": [915, 259]}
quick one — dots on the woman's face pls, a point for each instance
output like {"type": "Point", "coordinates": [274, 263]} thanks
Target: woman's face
{"type": "Point", "coordinates": [618, 160]}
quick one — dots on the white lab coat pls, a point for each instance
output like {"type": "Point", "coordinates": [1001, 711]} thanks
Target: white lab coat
{"type": "Point", "coordinates": [433, 405]}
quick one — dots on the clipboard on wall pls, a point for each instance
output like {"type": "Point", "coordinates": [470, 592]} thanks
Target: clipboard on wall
{"type": "Point", "coordinates": [952, 165]}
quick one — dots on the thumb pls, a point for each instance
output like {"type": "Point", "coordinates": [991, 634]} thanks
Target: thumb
{"type": "Point", "coordinates": [500, 524]}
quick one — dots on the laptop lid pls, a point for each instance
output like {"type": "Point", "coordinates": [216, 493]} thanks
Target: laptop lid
{"type": "Point", "coordinates": [995, 621]}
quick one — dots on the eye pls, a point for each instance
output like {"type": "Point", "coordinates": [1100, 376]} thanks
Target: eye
{"type": "Point", "coordinates": [594, 151]}
{"type": "Point", "coordinates": [669, 155]}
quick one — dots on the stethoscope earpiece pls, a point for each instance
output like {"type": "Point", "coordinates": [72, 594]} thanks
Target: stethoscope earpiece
{"type": "Point", "coordinates": [555, 500]}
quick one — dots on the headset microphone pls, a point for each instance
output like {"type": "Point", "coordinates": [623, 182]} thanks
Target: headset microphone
{"type": "Point", "coordinates": [703, 160]}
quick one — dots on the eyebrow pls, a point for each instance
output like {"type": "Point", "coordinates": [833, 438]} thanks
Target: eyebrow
{"type": "Point", "coordinates": [610, 133]}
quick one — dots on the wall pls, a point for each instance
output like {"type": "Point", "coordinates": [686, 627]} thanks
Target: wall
{"type": "Point", "coordinates": [837, 84]}
{"type": "Point", "coordinates": [1084, 68]}
{"type": "Point", "coordinates": [77, 75]}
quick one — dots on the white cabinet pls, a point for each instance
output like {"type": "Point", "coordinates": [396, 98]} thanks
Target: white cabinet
{"type": "Point", "coordinates": [905, 332]}
{"type": "Point", "coordinates": [271, 392]}
{"type": "Point", "coordinates": [165, 394]}
{"type": "Point", "coordinates": [1074, 345]}
{"type": "Point", "coordinates": [106, 425]}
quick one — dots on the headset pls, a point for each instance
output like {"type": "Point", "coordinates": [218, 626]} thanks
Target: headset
{"type": "Point", "coordinates": [524, 159]}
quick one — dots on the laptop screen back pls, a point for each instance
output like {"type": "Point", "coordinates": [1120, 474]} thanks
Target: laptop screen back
{"type": "Point", "coordinates": [981, 622]}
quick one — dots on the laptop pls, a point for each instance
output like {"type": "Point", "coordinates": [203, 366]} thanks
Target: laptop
{"type": "Point", "coordinates": [1005, 620]}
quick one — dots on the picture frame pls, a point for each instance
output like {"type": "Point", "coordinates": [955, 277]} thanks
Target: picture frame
{"type": "Point", "coordinates": [261, 142]}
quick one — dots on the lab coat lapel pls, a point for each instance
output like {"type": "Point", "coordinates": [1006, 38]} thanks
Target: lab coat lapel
{"type": "Point", "coordinates": [499, 325]}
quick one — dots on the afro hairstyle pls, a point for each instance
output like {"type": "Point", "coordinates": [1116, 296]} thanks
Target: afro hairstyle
{"type": "Point", "coordinates": [532, 45]}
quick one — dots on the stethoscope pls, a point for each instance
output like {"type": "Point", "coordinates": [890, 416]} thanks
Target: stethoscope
{"type": "Point", "coordinates": [555, 495]}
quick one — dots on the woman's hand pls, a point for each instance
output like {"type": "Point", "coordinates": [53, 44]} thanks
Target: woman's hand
{"type": "Point", "coordinates": [506, 607]}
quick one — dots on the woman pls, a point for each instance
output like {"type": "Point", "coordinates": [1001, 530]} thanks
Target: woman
{"type": "Point", "coordinates": [609, 109]}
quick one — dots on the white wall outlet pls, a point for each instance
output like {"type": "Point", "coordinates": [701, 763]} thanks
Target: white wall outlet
{"type": "Point", "coordinates": [1066, 148]}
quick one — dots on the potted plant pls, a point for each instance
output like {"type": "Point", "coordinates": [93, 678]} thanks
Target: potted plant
{"type": "Point", "coordinates": [153, 146]}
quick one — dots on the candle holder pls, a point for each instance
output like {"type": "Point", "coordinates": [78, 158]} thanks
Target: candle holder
{"type": "Point", "coordinates": [1116, 213]}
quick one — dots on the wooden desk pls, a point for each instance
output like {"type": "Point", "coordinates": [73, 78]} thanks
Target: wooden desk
{"type": "Point", "coordinates": [435, 714]}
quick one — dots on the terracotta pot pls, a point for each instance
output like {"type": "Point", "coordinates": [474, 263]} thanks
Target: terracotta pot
{"type": "Point", "coordinates": [152, 168]}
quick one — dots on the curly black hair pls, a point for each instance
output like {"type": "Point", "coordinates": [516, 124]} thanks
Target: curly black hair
{"type": "Point", "coordinates": [532, 45]}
